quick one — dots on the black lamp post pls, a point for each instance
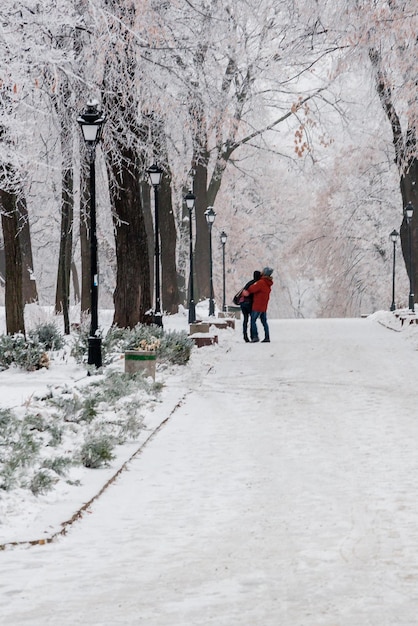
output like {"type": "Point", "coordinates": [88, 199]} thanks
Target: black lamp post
{"type": "Point", "coordinates": [91, 123]}
{"type": "Point", "coordinates": [224, 237]}
{"type": "Point", "coordinates": [394, 238]}
{"type": "Point", "coordinates": [155, 175]}
{"type": "Point", "coordinates": [409, 211]}
{"type": "Point", "coordinates": [190, 200]}
{"type": "Point", "coordinates": [210, 218]}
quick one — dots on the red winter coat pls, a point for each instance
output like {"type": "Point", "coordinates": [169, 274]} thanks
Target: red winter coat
{"type": "Point", "coordinates": [261, 293]}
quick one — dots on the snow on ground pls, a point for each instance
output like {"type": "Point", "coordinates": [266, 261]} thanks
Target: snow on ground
{"type": "Point", "coordinates": [25, 517]}
{"type": "Point", "coordinates": [281, 490]}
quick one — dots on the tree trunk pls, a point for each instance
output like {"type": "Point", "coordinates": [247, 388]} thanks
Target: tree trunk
{"type": "Point", "coordinates": [145, 202]}
{"type": "Point", "coordinates": [29, 290]}
{"type": "Point", "coordinates": [15, 322]}
{"type": "Point", "coordinates": [409, 193]}
{"type": "Point", "coordinates": [76, 284]}
{"type": "Point", "coordinates": [132, 296]}
{"type": "Point", "coordinates": [201, 250]}
{"type": "Point", "coordinates": [168, 233]}
{"type": "Point", "coordinates": [167, 221]}
{"type": "Point", "coordinates": [62, 296]}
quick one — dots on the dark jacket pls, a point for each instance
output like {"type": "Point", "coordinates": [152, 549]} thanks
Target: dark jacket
{"type": "Point", "coordinates": [247, 301]}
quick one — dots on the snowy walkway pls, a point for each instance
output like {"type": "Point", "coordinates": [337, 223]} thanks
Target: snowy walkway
{"type": "Point", "coordinates": [283, 492]}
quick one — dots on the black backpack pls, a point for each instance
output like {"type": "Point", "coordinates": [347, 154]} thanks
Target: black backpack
{"type": "Point", "coordinates": [237, 296]}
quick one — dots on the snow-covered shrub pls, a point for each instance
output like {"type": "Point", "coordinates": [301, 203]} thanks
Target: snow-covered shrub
{"type": "Point", "coordinates": [97, 451]}
{"type": "Point", "coordinates": [68, 406]}
{"type": "Point", "coordinates": [175, 348]}
{"type": "Point", "coordinates": [89, 409]}
{"type": "Point", "coordinates": [48, 335]}
{"type": "Point", "coordinates": [115, 340]}
{"type": "Point", "coordinates": [7, 425]}
{"type": "Point", "coordinates": [56, 433]}
{"type": "Point", "coordinates": [43, 481]}
{"type": "Point", "coordinates": [29, 354]}
{"type": "Point", "coordinates": [171, 347]}
{"type": "Point", "coordinates": [60, 464]}
{"type": "Point", "coordinates": [131, 425]}
{"type": "Point", "coordinates": [80, 343]}
{"type": "Point", "coordinates": [35, 422]}
{"type": "Point", "coordinates": [143, 335]}
{"type": "Point", "coordinates": [19, 449]}
{"type": "Point", "coordinates": [71, 426]}
{"type": "Point", "coordinates": [8, 478]}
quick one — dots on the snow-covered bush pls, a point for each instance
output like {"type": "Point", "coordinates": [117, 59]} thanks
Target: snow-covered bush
{"type": "Point", "coordinates": [80, 341]}
{"type": "Point", "coordinates": [170, 346]}
{"type": "Point", "coordinates": [42, 482]}
{"type": "Point", "coordinates": [48, 335]}
{"type": "Point", "coordinates": [29, 354]}
{"type": "Point", "coordinates": [43, 443]}
{"type": "Point", "coordinates": [175, 348]}
{"type": "Point", "coordinates": [97, 451]}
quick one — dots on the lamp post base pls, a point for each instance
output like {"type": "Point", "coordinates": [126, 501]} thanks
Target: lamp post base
{"type": "Point", "coordinates": [211, 308]}
{"type": "Point", "coordinates": [158, 319]}
{"type": "Point", "coordinates": [95, 351]}
{"type": "Point", "coordinates": [192, 312]}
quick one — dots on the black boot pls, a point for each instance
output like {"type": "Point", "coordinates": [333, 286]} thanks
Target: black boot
{"type": "Point", "coordinates": [246, 338]}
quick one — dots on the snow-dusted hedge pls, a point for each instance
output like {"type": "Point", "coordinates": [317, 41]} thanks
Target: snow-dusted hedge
{"type": "Point", "coordinates": [30, 353]}
{"type": "Point", "coordinates": [44, 443]}
{"type": "Point", "coordinates": [170, 346]}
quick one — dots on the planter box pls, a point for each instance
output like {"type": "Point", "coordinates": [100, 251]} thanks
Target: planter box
{"type": "Point", "coordinates": [220, 324]}
{"type": "Point", "coordinates": [198, 327]}
{"type": "Point", "coordinates": [226, 318]}
{"type": "Point", "coordinates": [204, 339]}
{"type": "Point", "coordinates": [140, 361]}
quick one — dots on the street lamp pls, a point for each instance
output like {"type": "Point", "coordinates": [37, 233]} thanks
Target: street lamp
{"type": "Point", "coordinates": [224, 237]}
{"type": "Point", "coordinates": [210, 218]}
{"type": "Point", "coordinates": [155, 175]}
{"type": "Point", "coordinates": [91, 123]}
{"type": "Point", "coordinates": [409, 211]}
{"type": "Point", "coordinates": [190, 200]}
{"type": "Point", "coordinates": [394, 238]}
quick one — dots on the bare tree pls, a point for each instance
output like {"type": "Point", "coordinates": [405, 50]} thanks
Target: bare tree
{"type": "Point", "coordinates": [234, 72]}
{"type": "Point", "coordinates": [386, 33]}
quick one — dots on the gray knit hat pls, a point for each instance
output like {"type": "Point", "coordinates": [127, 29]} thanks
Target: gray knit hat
{"type": "Point", "coordinates": [267, 271]}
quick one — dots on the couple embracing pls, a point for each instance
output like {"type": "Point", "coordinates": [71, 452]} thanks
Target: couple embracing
{"type": "Point", "coordinates": [253, 301]}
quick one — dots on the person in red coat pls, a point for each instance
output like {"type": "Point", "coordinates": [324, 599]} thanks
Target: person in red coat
{"type": "Point", "coordinates": [246, 303]}
{"type": "Point", "coordinates": [260, 291]}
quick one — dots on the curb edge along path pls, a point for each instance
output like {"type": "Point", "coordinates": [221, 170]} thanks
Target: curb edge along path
{"type": "Point", "coordinates": [87, 505]}
{"type": "Point", "coordinates": [162, 412]}
{"type": "Point", "coordinates": [283, 492]}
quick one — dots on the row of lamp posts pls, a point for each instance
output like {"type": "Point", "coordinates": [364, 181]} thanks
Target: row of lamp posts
{"type": "Point", "coordinates": [91, 123]}
{"type": "Point", "coordinates": [210, 215]}
{"type": "Point", "coordinates": [394, 235]}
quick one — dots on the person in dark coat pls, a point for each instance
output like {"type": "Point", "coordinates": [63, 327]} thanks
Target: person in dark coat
{"type": "Point", "coordinates": [260, 291]}
{"type": "Point", "coordinates": [246, 305]}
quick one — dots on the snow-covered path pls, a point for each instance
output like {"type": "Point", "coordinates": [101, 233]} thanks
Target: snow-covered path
{"type": "Point", "coordinates": [282, 492]}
